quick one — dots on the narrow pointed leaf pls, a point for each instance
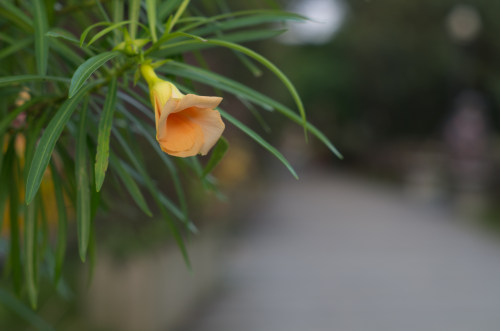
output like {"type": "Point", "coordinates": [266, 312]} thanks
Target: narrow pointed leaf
{"type": "Point", "coordinates": [16, 47]}
{"type": "Point", "coordinates": [117, 16]}
{"type": "Point", "coordinates": [217, 154]}
{"type": "Point", "coordinates": [151, 8]}
{"type": "Point", "coordinates": [83, 192]}
{"type": "Point", "coordinates": [239, 19]}
{"type": "Point", "coordinates": [41, 42]}
{"type": "Point", "coordinates": [29, 78]}
{"type": "Point", "coordinates": [259, 140]}
{"type": "Point", "coordinates": [85, 32]}
{"type": "Point", "coordinates": [62, 34]}
{"type": "Point", "coordinates": [102, 11]}
{"type": "Point", "coordinates": [92, 256]}
{"type": "Point", "coordinates": [31, 140]}
{"type": "Point", "coordinates": [134, 11]}
{"type": "Point", "coordinates": [30, 253]}
{"type": "Point", "coordinates": [62, 224]}
{"type": "Point", "coordinates": [68, 54]}
{"type": "Point", "coordinates": [5, 174]}
{"type": "Point", "coordinates": [14, 304]}
{"type": "Point", "coordinates": [130, 184]}
{"type": "Point", "coordinates": [48, 141]}
{"type": "Point", "coordinates": [167, 7]}
{"type": "Point", "coordinates": [106, 30]}
{"type": "Point", "coordinates": [246, 19]}
{"type": "Point", "coordinates": [180, 10]}
{"type": "Point", "coordinates": [105, 123]}
{"type": "Point", "coordinates": [237, 37]}
{"type": "Point", "coordinates": [86, 69]}
{"type": "Point", "coordinates": [16, 16]}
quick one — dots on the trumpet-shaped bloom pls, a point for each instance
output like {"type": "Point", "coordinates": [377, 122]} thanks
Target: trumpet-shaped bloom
{"type": "Point", "coordinates": [186, 125]}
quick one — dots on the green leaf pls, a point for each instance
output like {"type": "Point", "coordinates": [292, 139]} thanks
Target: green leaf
{"type": "Point", "coordinates": [5, 174]}
{"type": "Point", "coordinates": [151, 8]}
{"type": "Point", "coordinates": [62, 224]}
{"type": "Point", "coordinates": [31, 140]}
{"type": "Point", "coordinates": [167, 7]}
{"type": "Point", "coordinates": [92, 256]}
{"type": "Point", "coordinates": [117, 16]}
{"type": "Point", "coordinates": [134, 11]}
{"type": "Point", "coordinates": [102, 11]}
{"type": "Point", "coordinates": [41, 43]}
{"type": "Point", "coordinates": [174, 35]}
{"type": "Point", "coordinates": [66, 53]}
{"type": "Point", "coordinates": [251, 35]}
{"type": "Point", "coordinates": [87, 30]}
{"type": "Point", "coordinates": [105, 123]}
{"type": "Point", "coordinates": [44, 229]}
{"type": "Point", "coordinates": [30, 253]}
{"type": "Point", "coordinates": [48, 141]}
{"type": "Point", "coordinates": [16, 16]}
{"type": "Point", "coordinates": [13, 80]}
{"type": "Point", "coordinates": [237, 37]}
{"type": "Point", "coordinates": [68, 167]}
{"type": "Point", "coordinates": [130, 184]}
{"type": "Point", "coordinates": [83, 193]}
{"type": "Point", "coordinates": [259, 140]}
{"type": "Point", "coordinates": [86, 69]}
{"type": "Point", "coordinates": [63, 34]}
{"type": "Point", "coordinates": [178, 14]}
{"type": "Point", "coordinates": [5, 37]}
{"type": "Point", "coordinates": [255, 112]}
{"type": "Point", "coordinates": [217, 153]}
{"type": "Point", "coordinates": [14, 304]}
{"type": "Point", "coordinates": [16, 47]}
{"type": "Point", "coordinates": [241, 19]}
{"type": "Point", "coordinates": [259, 17]}
{"type": "Point", "coordinates": [106, 30]}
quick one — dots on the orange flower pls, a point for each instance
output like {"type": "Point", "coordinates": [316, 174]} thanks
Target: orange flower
{"type": "Point", "coordinates": [186, 125]}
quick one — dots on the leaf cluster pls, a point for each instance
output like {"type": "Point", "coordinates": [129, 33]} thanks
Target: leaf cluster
{"type": "Point", "coordinates": [78, 62]}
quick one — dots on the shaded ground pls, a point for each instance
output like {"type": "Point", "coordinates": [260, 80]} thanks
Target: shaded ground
{"type": "Point", "coordinates": [335, 253]}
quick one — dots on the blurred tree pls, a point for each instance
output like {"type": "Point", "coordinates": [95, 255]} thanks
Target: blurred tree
{"type": "Point", "coordinates": [395, 68]}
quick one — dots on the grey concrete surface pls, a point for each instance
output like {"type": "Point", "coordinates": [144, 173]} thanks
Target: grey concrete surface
{"type": "Point", "coordinates": [334, 253]}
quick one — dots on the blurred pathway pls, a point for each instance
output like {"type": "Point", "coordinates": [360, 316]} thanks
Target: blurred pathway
{"type": "Point", "coordinates": [332, 253]}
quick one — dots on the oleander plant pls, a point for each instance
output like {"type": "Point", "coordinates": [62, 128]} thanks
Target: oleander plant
{"type": "Point", "coordinates": [81, 81]}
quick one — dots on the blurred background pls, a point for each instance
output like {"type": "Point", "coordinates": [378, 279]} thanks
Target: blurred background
{"type": "Point", "coordinates": [403, 234]}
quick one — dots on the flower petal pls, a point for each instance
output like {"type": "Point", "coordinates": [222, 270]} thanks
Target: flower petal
{"type": "Point", "coordinates": [193, 100]}
{"type": "Point", "coordinates": [182, 137]}
{"type": "Point", "coordinates": [211, 125]}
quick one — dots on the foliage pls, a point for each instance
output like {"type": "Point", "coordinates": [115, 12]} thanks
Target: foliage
{"type": "Point", "coordinates": [73, 105]}
{"type": "Point", "coordinates": [402, 59]}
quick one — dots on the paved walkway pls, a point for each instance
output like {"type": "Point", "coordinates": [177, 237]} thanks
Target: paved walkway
{"type": "Point", "coordinates": [332, 253]}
